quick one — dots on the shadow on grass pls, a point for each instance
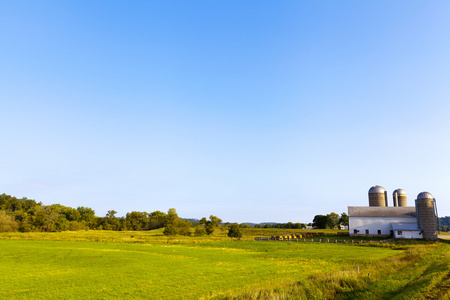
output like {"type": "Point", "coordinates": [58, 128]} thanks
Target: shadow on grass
{"type": "Point", "coordinates": [428, 277]}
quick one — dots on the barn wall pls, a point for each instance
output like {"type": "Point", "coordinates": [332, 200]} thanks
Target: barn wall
{"type": "Point", "coordinates": [408, 234]}
{"type": "Point", "coordinates": [373, 224]}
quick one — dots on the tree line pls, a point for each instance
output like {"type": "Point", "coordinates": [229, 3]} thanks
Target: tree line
{"type": "Point", "coordinates": [288, 225]}
{"type": "Point", "coordinates": [444, 223]}
{"type": "Point", "coordinates": [331, 221]}
{"type": "Point", "coordinates": [26, 215]}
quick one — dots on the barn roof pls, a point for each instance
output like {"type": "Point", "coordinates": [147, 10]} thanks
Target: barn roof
{"type": "Point", "coordinates": [405, 226]}
{"type": "Point", "coordinates": [382, 211]}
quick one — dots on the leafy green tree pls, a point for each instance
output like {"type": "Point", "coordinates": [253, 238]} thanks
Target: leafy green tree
{"type": "Point", "coordinates": [26, 223]}
{"type": "Point", "coordinates": [110, 221]}
{"type": "Point", "coordinates": [184, 227]}
{"type": "Point", "coordinates": [86, 214]}
{"type": "Point", "coordinates": [332, 220]}
{"type": "Point", "coordinates": [123, 224]}
{"type": "Point", "coordinates": [137, 220]}
{"type": "Point", "coordinates": [111, 214]}
{"type": "Point", "coordinates": [7, 223]}
{"type": "Point", "coordinates": [157, 220]}
{"type": "Point", "coordinates": [70, 213]}
{"type": "Point", "coordinates": [40, 215]}
{"type": "Point", "coordinates": [235, 231]}
{"type": "Point", "coordinates": [169, 229]}
{"type": "Point", "coordinates": [199, 230]}
{"type": "Point", "coordinates": [171, 222]}
{"type": "Point", "coordinates": [343, 219]}
{"type": "Point", "coordinates": [320, 221]}
{"type": "Point", "coordinates": [52, 216]}
{"type": "Point", "coordinates": [210, 224]}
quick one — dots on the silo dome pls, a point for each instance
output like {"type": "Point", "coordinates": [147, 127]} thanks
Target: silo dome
{"type": "Point", "coordinates": [377, 190]}
{"type": "Point", "coordinates": [399, 192]}
{"type": "Point", "coordinates": [399, 197]}
{"type": "Point", "coordinates": [377, 196]}
{"type": "Point", "coordinates": [425, 195]}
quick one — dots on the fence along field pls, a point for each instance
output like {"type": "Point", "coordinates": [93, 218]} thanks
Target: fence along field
{"type": "Point", "coordinates": [207, 268]}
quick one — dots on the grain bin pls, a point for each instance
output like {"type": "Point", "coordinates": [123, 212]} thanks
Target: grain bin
{"type": "Point", "coordinates": [377, 196]}
{"type": "Point", "coordinates": [399, 197]}
{"type": "Point", "coordinates": [426, 215]}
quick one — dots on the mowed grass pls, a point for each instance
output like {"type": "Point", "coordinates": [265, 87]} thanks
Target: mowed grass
{"type": "Point", "coordinates": [108, 270]}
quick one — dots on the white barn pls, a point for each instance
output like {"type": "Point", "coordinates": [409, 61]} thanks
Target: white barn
{"type": "Point", "coordinates": [383, 221]}
{"type": "Point", "coordinates": [399, 221]}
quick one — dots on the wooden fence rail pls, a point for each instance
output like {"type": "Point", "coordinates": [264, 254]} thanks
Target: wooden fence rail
{"type": "Point", "coordinates": [321, 240]}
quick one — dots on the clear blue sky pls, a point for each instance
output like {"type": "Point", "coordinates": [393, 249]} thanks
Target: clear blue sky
{"type": "Point", "coordinates": [248, 110]}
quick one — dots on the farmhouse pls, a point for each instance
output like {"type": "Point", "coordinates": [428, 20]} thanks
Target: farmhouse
{"type": "Point", "coordinates": [399, 221]}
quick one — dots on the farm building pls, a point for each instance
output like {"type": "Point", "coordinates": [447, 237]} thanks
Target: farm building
{"type": "Point", "coordinates": [399, 221]}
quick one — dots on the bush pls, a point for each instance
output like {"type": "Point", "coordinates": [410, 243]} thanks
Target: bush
{"type": "Point", "coordinates": [235, 231]}
{"type": "Point", "coordinates": [199, 231]}
{"type": "Point", "coordinates": [184, 227]}
{"type": "Point", "coordinates": [170, 230]}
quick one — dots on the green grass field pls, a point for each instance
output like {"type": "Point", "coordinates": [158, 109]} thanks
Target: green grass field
{"type": "Point", "coordinates": [143, 265]}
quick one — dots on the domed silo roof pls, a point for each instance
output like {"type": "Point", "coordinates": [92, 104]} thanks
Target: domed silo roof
{"type": "Point", "coordinates": [425, 195]}
{"type": "Point", "coordinates": [377, 190]}
{"type": "Point", "coordinates": [399, 197]}
{"type": "Point", "coordinates": [400, 192]}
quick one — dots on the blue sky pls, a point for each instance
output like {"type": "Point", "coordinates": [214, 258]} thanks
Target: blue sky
{"type": "Point", "coordinates": [251, 111]}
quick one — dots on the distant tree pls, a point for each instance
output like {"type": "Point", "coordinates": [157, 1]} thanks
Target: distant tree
{"type": "Point", "coordinates": [39, 217]}
{"type": "Point", "coordinates": [157, 219]}
{"type": "Point", "coordinates": [169, 229]}
{"type": "Point", "coordinates": [111, 214]}
{"type": "Point", "coordinates": [444, 223]}
{"type": "Point", "coordinates": [244, 225]}
{"type": "Point", "coordinates": [199, 230]}
{"type": "Point", "coordinates": [343, 219]}
{"type": "Point", "coordinates": [123, 224]}
{"type": "Point", "coordinates": [7, 223]}
{"type": "Point", "coordinates": [320, 221]}
{"type": "Point", "coordinates": [25, 221]}
{"type": "Point", "coordinates": [110, 221]}
{"type": "Point", "coordinates": [332, 220]}
{"type": "Point", "coordinates": [210, 224]}
{"type": "Point", "coordinates": [137, 220]}
{"type": "Point", "coordinates": [70, 213]}
{"type": "Point", "coordinates": [171, 222]}
{"type": "Point", "coordinates": [86, 214]}
{"type": "Point", "coordinates": [184, 227]}
{"type": "Point", "coordinates": [234, 231]}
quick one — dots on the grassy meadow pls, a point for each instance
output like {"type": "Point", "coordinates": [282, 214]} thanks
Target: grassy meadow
{"type": "Point", "coordinates": [147, 265]}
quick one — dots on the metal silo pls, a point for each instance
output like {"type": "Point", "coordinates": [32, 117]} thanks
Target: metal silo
{"type": "Point", "coordinates": [399, 197]}
{"type": "Point", "coordinates": [426, 215]}
{"type": "Point", "coordinates": [377, 196]}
